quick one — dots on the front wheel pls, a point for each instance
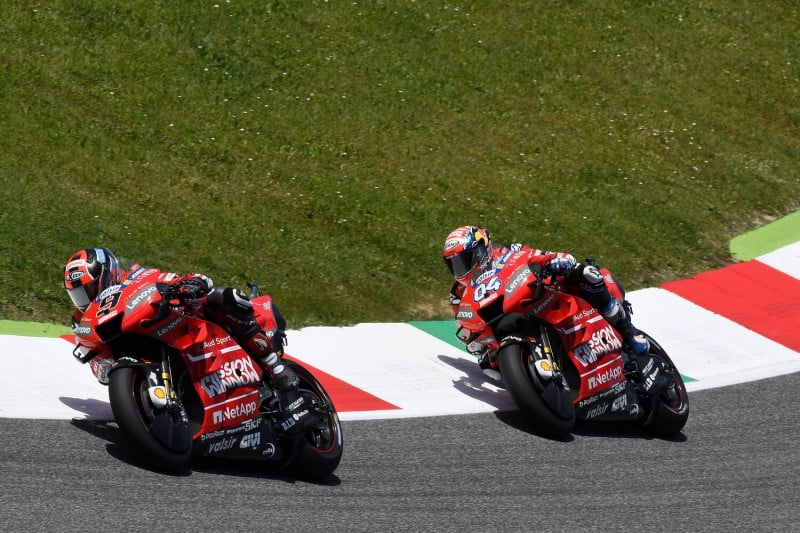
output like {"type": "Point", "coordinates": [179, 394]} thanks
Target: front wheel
{"type": "Point", "coordinates": [548, 404]}
{"type": "Point", "coordinates": [319, 449]}
{"type": "Point", "coordinates": [668, 411]}
{"type": "Point", "coordinates": [159, 437]}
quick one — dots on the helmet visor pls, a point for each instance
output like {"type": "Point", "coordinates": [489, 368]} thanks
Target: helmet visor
{"type": "Point", "coordinates": [462, 264]}
{"type": "Point", "coordinates": [81, 297]}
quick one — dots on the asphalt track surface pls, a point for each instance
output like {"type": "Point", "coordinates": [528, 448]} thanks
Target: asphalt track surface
{"type": "Point", "coordinates": [734, 468]}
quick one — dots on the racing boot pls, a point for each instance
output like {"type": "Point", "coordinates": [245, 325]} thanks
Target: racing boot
{"type": "Point", "coordinates": [647, 371]}
{"type": "Point", "coordinates": [485, 363]}
{"type": "Point", "coordinates": [295, 407]}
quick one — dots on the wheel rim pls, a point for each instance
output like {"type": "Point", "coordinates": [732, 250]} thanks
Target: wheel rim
{"type": "Point", "coordinates": [145, 408]}
{"type": "Point", "coordinates": [324, 438]}
{"type": "Point", "coordinates": [673, 397]}
{"type": "Point", "coordinates": [141, 399]}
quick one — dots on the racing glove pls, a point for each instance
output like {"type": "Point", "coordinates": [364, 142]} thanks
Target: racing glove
{"type": "Point", "coordinates": [561, 266]}
{"type": "Point", "coordinates": [194, 286]}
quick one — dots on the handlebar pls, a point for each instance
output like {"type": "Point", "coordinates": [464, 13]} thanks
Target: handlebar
{"type": "Point", "coordinates": [168, 294]}
{"type": "Point", "coordinates": [545, 280]}
{"type": "Point", "coordinates": [254, 291]}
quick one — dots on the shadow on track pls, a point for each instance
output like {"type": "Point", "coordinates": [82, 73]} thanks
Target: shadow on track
{"type": "Point", "coordinates": [89, 406]}
{"type": "Point", "coordinates": [614, 430]}
{"type": "Point", "coordinates": [108, 431]}
{"type": "Point", "coordinates": [474, 383]}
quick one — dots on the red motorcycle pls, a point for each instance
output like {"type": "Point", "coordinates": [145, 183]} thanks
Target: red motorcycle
{"type": "Point", "coordinates": [560, 360]}
{"type": "Point", "coordinates": [181, 386]}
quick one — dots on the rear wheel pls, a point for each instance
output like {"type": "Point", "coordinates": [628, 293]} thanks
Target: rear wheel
{"type": "Point", "coordinates": [159, 437]}
{"type": "Point", "coordinates": [669, 411]}
{"type": "Point", "coordinates": [319, 449]}
{"type": "Point", "coordinates": [548, 403]}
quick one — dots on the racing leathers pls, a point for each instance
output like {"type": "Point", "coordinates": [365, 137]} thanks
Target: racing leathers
{"type": "Point", "coordinates": [579, 279]}
{"type": "Point", "coordinates": [233, 310]}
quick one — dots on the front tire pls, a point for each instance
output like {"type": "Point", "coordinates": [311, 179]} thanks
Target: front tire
{"type": "Point", "coordinates": [549, 407]}
{"type": "Point", "coordinates": [319, 449]}
{"type": "Point", "coordinates": [139, 422]}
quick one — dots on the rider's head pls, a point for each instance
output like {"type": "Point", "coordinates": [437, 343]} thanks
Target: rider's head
{"type": "Point", "coordinates": [467, 252]}
{"type": "Point", "coordinates": [88, 273]}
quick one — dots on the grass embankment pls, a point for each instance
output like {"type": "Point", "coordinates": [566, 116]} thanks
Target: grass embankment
{"type": "Point", "coordinates": [326, 148]}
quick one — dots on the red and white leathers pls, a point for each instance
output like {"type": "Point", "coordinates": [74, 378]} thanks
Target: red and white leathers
{"type": "Point", "coordinates": [535, 256]}
{"type": "Point", "coordinates": [471, 256]}
{"type": "Point", "coordinates": [232, 310]}
{"type": "Point", "coordinates": [583, 280]}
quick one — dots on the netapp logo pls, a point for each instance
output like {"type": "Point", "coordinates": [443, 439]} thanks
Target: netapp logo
{"type": "Point", "coordinates": [237, 411]}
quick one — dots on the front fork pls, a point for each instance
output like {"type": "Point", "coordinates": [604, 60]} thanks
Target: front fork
{"type": "Point", "coordinates": [161, 390]}
{"type": "Point", "coordinates": [544, 363]}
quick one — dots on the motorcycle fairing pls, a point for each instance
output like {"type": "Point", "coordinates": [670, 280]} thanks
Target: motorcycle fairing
{"type": "Point", "coordinates": [241, 441]}
{"type": "Point", "coordinates": [618, 402]}
{"type": "Point", "coordinates": [224, 376]}
{"type": "Point", "coordinates": [593, 345]}
{"type": "Point", "coordinates": [514, 287]}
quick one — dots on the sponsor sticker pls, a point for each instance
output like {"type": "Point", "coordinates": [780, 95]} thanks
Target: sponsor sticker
{"type": "Point", "coordinates": [465, 313]}
{"type": "Point", "coordinates": [251, 440]}
{"type": "Point", "coordinates": [212, 435]}
{"type": "Point", "coordinates": [221, 446]}
{"type": "Point", "coordinates": [517, 279]}
{"type": "Point", "coordinates": [607, 376]}
{"type": "Point", "coordinates": [602, 342]}
{"type": "Point", "coordinates": [169, 327]}
{"type": "Point", "coordinates": [140, 298]}
{"type": "Point", "coordinates": [619, 403]}
{"type": "Point", "coordinates": [82, 330]}
{"type": "Point", "coordinates": [540, 307]}
{"type": "Point", "coordinates": [231, 413]}
{"type": "Point", "coordinates": [450, 244]}
{"type": "Point", "coordinates": [232, 374]}
{"type": "Point", "coordinates": [597, 410]}
{"type": "Point", "coordinates": [269, 450]}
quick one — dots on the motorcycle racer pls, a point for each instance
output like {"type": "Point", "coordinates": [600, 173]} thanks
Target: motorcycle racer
{"type": "Point", "coordinates": [91, 271]}
{"type": "Point", "coordinates": [471, 256]}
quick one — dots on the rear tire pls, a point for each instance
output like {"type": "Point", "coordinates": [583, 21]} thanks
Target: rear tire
{"type": "Point", "coordinates": [319, 449]}
{"type": "Point", "coordinates": [669, 411]}
{"type": "Point", "coordinates": [555, 418]}
{"type": "Point", "coordinates": [135, 416]}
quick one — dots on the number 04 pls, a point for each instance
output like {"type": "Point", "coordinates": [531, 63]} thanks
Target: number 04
{"type": "Point", "coordinates": [483, 289]}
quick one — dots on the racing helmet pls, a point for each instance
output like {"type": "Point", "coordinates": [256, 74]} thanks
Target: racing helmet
{"type": "Point", "coordinates": [88, 273]}
{"type": "Point", "coordinates": [467, 251]}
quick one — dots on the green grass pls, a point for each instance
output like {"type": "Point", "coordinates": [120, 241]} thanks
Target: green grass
{"type": "Point", "coordinates": [325, 148]}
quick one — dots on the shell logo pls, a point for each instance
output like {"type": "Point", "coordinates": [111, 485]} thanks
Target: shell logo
{"type": "Point", "coordinates": [544, 369]}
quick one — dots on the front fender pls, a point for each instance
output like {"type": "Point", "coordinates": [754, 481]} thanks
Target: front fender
{"type": "Point", "coordinates": [514, 325]}
{"type": "Point", "coordinates": [129, 362]}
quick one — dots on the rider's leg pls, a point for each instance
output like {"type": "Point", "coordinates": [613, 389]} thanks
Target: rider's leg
{"type": "Point", "coordinates": [234, 311]}
{"type": "Point", "coordinates": [594, 290]}
{"type": "Point", "coordinates": [618, 316]}
{"type": "Point", "coordinates": [641, 364]}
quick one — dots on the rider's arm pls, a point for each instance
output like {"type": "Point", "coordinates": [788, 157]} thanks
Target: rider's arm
{"type": "Point", "coordinates": [559, 263]}
{"type": "Point", "coordinates": [201, 281]}
{"type": "Point", "coordinates": [76, 319]}
{"type": "Point", "coordinates": [456, 292]}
